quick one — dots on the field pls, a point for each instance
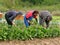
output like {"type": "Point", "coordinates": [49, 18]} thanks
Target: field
{"type": "Point", "coordinates": [33, 35]}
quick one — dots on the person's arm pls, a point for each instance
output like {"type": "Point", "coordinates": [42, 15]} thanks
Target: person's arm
{"type": "Point", "coordinates": [36, 19]}
{"type": "Point", "coordinates": [12, 17]}
{"type": "Point", "coordinates": [13, 23]}
{"type": "Point", "coordinates": [29, 22]}
{"type": "Point", "coordinates": [11, 20]}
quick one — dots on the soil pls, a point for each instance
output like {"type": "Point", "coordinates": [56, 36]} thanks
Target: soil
{"type": "Point", "coordinates": [49, 41]}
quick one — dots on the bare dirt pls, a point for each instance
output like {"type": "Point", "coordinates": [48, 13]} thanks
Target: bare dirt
{"type": "Point", "coordinates": [49, 41]}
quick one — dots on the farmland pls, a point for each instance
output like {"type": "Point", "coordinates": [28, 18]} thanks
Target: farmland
{"type": "Point", "coordinates": [34, 31]}
{"type": "Point", "coordinates": [35, 34]}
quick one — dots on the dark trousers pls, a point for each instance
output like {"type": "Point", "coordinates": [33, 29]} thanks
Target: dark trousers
{"type": "Point", "coordinates": [8, 20]}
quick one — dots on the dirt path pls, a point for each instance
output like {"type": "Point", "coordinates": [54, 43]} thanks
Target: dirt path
{"type": "Point", "coordinates": [50, 41]}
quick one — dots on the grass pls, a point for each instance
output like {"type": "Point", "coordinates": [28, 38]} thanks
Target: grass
{"type": "Point", "coordinates": [34, 7]}
{"type": "Point", "coordinates": [56, 19]}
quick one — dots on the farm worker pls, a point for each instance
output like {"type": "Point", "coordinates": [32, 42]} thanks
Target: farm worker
{"type": "Point", "coordinates": [11, 15]}
{"type": "Point", "coordinates": [29, 16]}
{"type": "Point", "coordinates": [46, 17]}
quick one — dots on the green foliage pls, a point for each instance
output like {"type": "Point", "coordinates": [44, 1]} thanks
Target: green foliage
{"type": "Point", "coordinates": [33, 31]}
{"type": "Point", "coordinates": [26, 5]}
{"type": "Point", "coordinates": [50, 2]}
